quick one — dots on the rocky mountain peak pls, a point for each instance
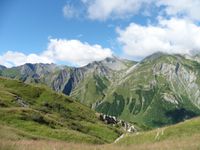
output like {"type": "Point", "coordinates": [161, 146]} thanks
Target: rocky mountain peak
{"type": "Point", "coordinates": [116, 64]}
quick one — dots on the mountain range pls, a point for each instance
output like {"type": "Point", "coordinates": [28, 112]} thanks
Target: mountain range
{"type": "Point", "coordinates": [159, 90]}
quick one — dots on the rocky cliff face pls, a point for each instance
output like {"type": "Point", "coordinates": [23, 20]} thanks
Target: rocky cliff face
{"type": "Point", "coordinates": [182, 80]}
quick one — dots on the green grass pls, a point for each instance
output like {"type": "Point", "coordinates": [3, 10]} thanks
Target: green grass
{"type": "Point", "coordinates": [182, 136]}
{"type": "Point", "coordinates": [91, 89]}
{"type": "Point", "coordinates": [183, 130]}
{"type": "Point", "coordinates": [40, 112]}
{"type": "Point", "coordinates": [12, 73]}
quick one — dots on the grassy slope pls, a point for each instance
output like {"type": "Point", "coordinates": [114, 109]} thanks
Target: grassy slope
{"type": "Point", "coordinates": [48, 115]}
{"type": "Point", "coordinates": [183, 136]}
{"type": "Point", "coordinates": [91, 89]}
{"type": "Point", "coordinates": [187, 130]}
{"type": "Point", "coordinates": [11, 73]}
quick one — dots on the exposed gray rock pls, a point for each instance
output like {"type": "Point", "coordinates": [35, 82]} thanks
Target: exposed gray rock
{"type": "Point", "coordinates": [181, 79]}
{"type": "Point", "coordinates": [21, 102]}
{"type": "Point", "coordinates": [128, 127]}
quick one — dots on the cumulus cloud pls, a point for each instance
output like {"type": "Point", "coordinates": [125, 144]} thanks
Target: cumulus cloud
{"type": "Point", "coordinates": [75, 52]}
{"type": "Point", "coordinates": [177, 34]}
{"type": "Point", "coordinates": [70, 11]}
{"type": "Point", "coordinates": [59, 50]}
{"type": "Point", "coordinates": [184, 8]}
{"type": "Point", "coordinates": [171, 36]}
{"type": "Point", "coordinates": [14, 58]}
{"type": "Point", "coordinates": [104, 9]}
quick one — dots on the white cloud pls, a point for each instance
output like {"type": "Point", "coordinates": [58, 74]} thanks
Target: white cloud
{"type": "Point", "coordinates": [185, 8]}
{"type": "Point", "coordinates": [75, 52]}
{"type": "Point", "coordinates": [170, 36]}
{"type": "Point", "coordinates": [104, 9]}
{"type": "Point", "coordinates": [14, 58]}
{"type": "Point", "coordinates": [70, 11]}
{"type": "Point", "coordinates": [67, 51]}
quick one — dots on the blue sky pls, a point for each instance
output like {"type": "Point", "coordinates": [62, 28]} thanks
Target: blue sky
{"type": "Point", "coordinates": [27, 24]}
{"type": "Point", "coordinates": [77, 32]}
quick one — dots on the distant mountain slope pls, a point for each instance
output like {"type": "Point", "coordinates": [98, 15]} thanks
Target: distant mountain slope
{"type": "Point", "coordinates": [31, 112]}
{"type": "Point", "coordinates": [32, 73]}
{"type": "Point", "coordinates": [162, 89]}
{"type": "Point", "coordinates": [97, 79]}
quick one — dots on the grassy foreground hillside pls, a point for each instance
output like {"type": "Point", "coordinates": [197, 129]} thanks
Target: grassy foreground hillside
{"type": "Point", "coordinates": [37, 113]}
{"type": "Point", "coordinates": [183, 136]}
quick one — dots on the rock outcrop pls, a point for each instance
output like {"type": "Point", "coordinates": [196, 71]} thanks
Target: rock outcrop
{"type": "Point", "coordinates": [128, 127]}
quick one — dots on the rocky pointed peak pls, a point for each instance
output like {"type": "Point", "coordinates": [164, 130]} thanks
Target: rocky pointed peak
{"type": "Point", "coordinates": [92, 64]}
{"type": "Point", "coordinates": [111, 59]}
{"type": "Point", "coordinates": [108, 62]}
{"type": "Point", "coordinates": [117, 64]}
{"type": "Point", "coordinates": [27, 68]}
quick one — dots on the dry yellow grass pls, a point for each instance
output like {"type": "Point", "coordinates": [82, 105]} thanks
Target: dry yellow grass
{"type": "Point", "coordinates": [189, 143]}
